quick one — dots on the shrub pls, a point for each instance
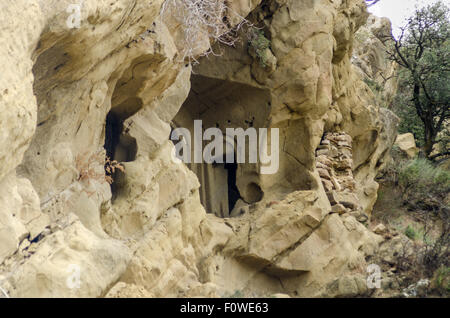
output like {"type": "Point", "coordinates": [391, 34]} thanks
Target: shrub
{"type": "Point", "coordinates": [200, 18]}
{"type": "Point", "coordinates": [416, 260]}
{"type": "Point", "coordinates": [424, 184]}
{"type": "Point", "coordinates": [437, 254]}
{"type": "Point", "coordinates": [441, 280]}
{"type": "Point", "coordinates": [411, 232]}
{"type": "Point", "coordinates": [259, 44]}
{"type": "Point", "coordinates": [87, 166]}
{"type": "Point", "coordinates": [426, 187]}
{"type": "Point", "coordinates": [373, 85]}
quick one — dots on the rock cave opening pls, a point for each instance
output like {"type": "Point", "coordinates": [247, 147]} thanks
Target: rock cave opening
{"type": "Point", "coordinates": [120, 146]}
{"type": "Point", "coordinates": [227, 186]}
{"type": "Point", "coordinates": [233, 191]}
{"type": "Point", "coordinates": [218, 192]}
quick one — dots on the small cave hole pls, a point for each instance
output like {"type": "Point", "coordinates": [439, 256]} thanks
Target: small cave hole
{"type": "Point", "coordinates": [254, 192]}
{"type": "Point", "coordinates": [119, 146]}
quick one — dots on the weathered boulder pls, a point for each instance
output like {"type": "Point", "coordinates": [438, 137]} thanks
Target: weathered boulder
{"type": "Point", "coordinates": [407, 144]}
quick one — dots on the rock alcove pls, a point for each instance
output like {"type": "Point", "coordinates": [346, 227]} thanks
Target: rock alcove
{"type": "Point", "coordinates": [223, 104]}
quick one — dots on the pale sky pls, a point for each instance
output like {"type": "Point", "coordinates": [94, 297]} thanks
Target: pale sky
{"type": "Point", "coordinates": [398, 10]}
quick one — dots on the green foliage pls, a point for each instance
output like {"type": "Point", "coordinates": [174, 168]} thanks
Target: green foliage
{"type": "Point", "coordinates": [410, 122]}
{"type": "Point", "coordinates": [418, 234]}
{"type": "Point", "coordinates": [423, 53]}
{"type": "Point", "coordinates": [442, 279]}
{"type": "Point", "coordinates": [421, 175]}
{"type": "Point", "coordinates": [424, 185]}
{"type": "Point", "coordinates": [259, 44]}
{"type": "Point", "coordinates": [373, 85]}
{"type": "Point", "coordinates": [403, 107]}
{"type": "Point", "coordinates": [411, 232]}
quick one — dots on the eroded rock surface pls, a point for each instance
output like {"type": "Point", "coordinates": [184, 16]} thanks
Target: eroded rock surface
{"type": "Point", "coordinates": [372, 61]}
{"type": "Point", "coordinates": [116, 87]}
{"type": "Point", "coordinates": [407, 144]}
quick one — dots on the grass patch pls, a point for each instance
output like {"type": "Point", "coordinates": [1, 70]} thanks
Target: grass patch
{"type": "Point", "coordinates": [423, 183]}
{"type": "Point", "coordinates": [411, 232]}
{"type": "Point", "coordinates": [418, 234]}
{"type": "Point", "coordinates": [441, 280]}
{"type": "Point", "coordinates": [421, 174]}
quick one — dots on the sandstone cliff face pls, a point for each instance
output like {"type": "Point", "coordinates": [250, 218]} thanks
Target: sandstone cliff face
{"type": "Point", "coordinates": [115, 86]}
{"type": "Point", "coordinates": [371, 59]}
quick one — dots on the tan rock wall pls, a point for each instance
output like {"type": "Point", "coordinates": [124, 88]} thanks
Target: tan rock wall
{"type": "Point", "coordinates": [66, 94]}
{"type": "Point", "coordinates": [372, 62]}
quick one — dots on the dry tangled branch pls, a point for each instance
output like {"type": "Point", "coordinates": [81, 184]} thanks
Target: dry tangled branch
{"type": "Point", "coordinates": [110, 167]}
{"type": "Point", "coordinates": [202, 19]}
{"type": "Point", "coordinates": [87, 167]}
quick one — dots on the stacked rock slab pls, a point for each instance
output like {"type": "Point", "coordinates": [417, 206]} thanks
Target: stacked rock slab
{"type": "Point", "coordinates": [334, 163]}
